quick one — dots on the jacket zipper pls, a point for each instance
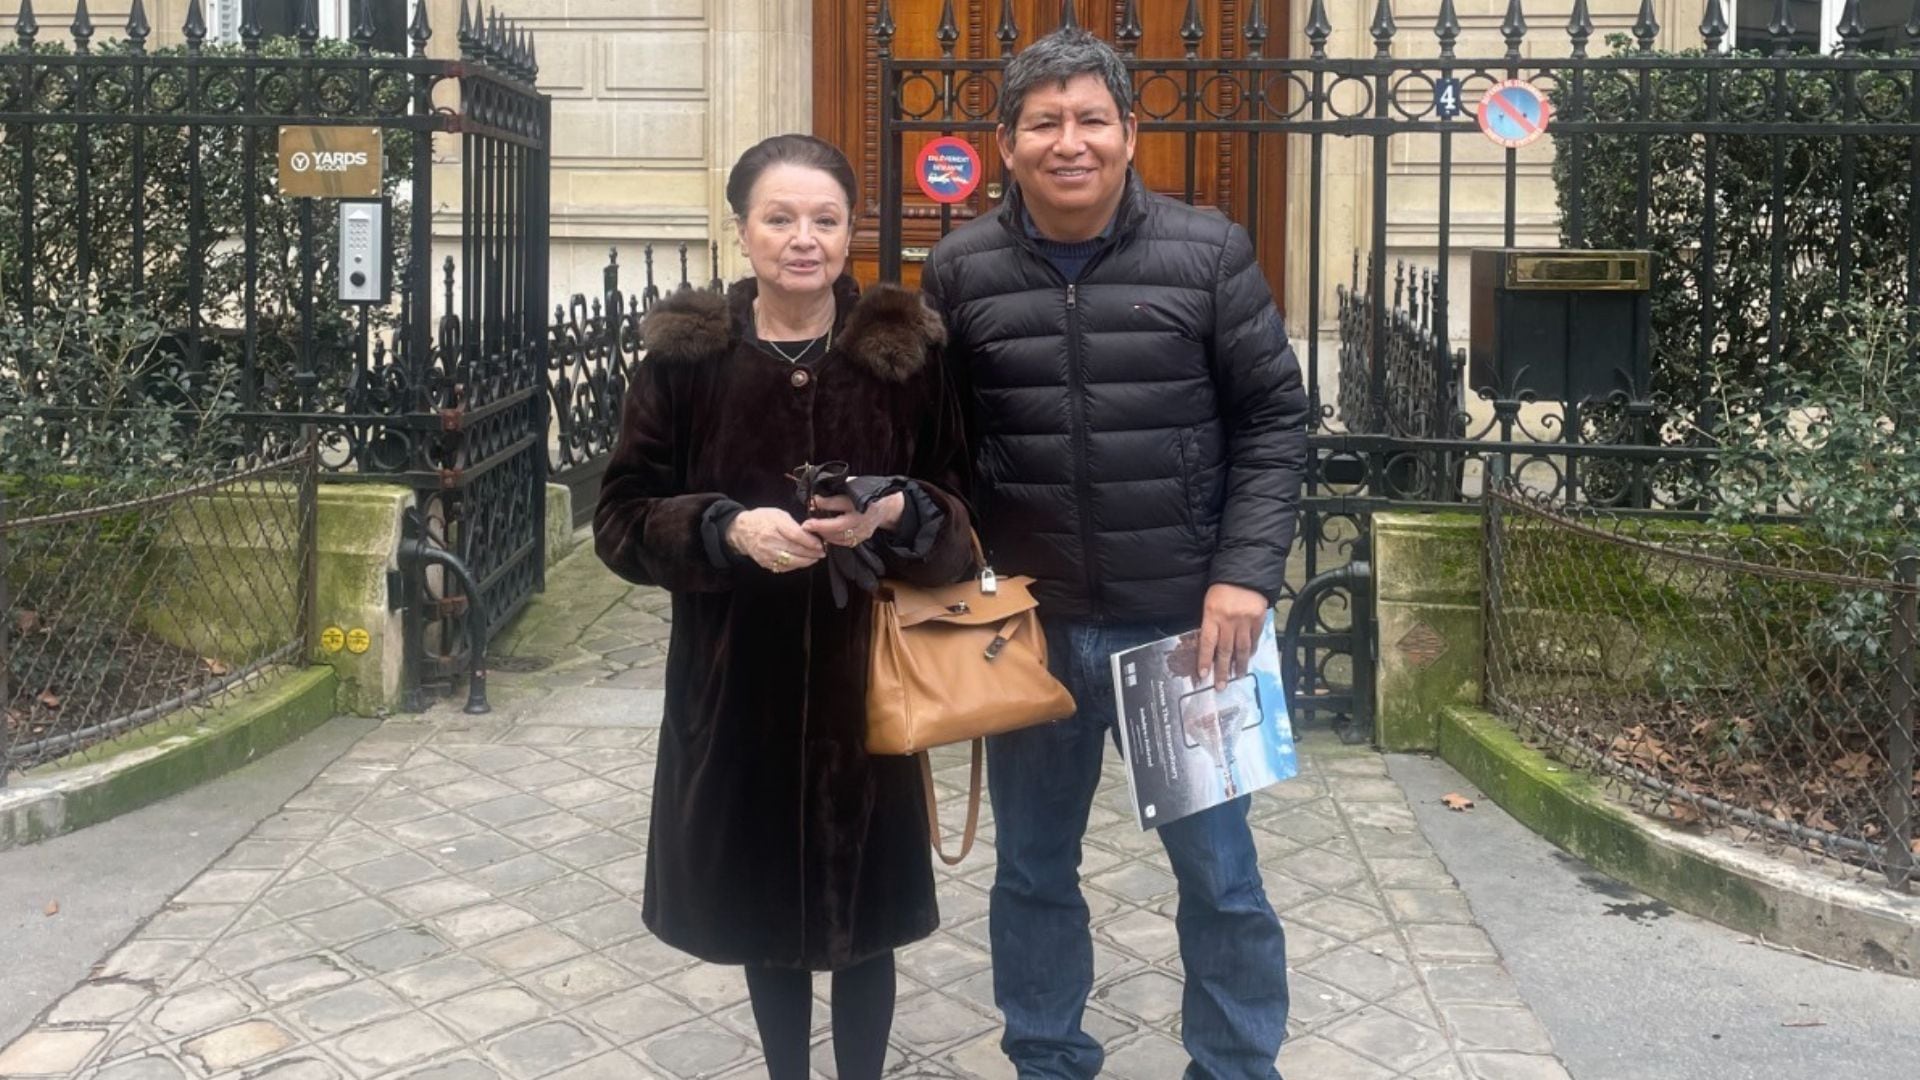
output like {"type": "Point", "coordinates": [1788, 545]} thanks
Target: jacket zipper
{"type": "Point", "coordinates": [1083, 483]}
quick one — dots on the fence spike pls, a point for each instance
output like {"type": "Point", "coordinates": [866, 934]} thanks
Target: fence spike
{"type": "Point", "coordinates": [250, 32]}
{"type": "Point", "coordinates": [1713, 26]}
{"type": "Point", "coordinates": [1514, 28]}
{"type": "Point", "coordinates": [1646, 27]}
{"type": "Point", "coordinates": [308, 29]}
{"type": "Point", "coordinates": [82, 27]}
{"type": "Point", "coordinates": [716, 285]}
{"type": "Point", "coordinates": [496, 37]}
{"type": "Point", "coordinates": [948, 32]}
{"type": "Point", "coordinates": [469, 32]}
{"type": "Point", "coordinates": [1383, 29]}
{"type": "Point", "coordinates": [686, 279]}
{"type": "Point", "coordinates": [533, 56]}
{"type": "Point", "coordinates": [195, 28]}
{"type": "Point", "coordinates": [1446, 29]}
{"type": "Point", "coordinates": [26, 26]}
{"type": "Point", "coordinates": [363, 30]}
{"type": "Point", "coordinates": [1193, 29]}
{"type": "Point", "coordinates": [1129, 31]}
{"type": "Point", "coordinates": [1913, 28]}
{"type": "Point", "coordinates": [1319, 28]}
{"type": "Point", "coordinates": [1781, 27]}
{"type": "Point", "coordinates": [1067, 18]}
{"type": "Point", "coordinates": [137, 26]}
{"type": "Point", "coordinates": [1009, 30]}
{"type": "Point", "coordinates": [421, 31]}
{"type": "Point", "coordinates": [1580, 27]}
{"type": "Point", "coordinates": [883, 28]}
{"type": "Point", "coordinates": [1256, 30]}
{"type": "Point", "coordinates": [1851, 28]}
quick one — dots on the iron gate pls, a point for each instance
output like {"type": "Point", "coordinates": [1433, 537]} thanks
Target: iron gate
{"type": "Point", "coordinates": [142, 178]}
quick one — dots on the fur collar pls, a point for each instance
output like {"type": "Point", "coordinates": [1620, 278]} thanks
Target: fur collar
{"type": "Point", "coordinates": [887, 330]}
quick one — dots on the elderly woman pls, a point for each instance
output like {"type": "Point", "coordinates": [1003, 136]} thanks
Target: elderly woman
{"type": "Point", "coordinates": [776, 841]}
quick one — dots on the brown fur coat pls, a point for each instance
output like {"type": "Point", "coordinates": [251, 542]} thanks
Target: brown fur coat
{"type": "Point", "coordinates": [775, 838]}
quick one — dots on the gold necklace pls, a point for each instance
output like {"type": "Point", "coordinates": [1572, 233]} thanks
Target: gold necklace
{"type": "Point", "coordinates": [804, 349]}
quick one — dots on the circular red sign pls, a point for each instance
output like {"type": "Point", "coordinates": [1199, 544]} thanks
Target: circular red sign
{"type": "Point", "coordinates": [948, 169]}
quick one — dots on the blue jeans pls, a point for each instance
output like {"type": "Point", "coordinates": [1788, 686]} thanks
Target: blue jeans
{"type": "Point", "coordinates": [1042, 782]}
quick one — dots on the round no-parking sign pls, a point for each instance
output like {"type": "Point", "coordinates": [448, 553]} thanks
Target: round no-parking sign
{"type": "Point", "coordinates": [948, 169]}
{"type": "Point", "coordinates": [1514, 114]}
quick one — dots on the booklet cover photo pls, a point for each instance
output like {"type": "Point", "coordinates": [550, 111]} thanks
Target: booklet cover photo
{"type": "Point", "coordinates": [1189, 747]}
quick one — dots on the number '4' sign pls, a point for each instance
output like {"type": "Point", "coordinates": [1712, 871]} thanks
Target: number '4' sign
{"type": "Point", "coordinates": [1446, 98]}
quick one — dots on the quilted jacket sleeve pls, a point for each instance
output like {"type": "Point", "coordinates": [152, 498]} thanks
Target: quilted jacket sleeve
{"type": "Point", "coordinates": [647, 527]}
{"type": "Point", "coordinates": [1265, 409]}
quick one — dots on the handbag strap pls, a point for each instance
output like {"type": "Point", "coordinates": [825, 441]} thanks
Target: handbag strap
{"type": "Point", "coordinates": [933, 806]}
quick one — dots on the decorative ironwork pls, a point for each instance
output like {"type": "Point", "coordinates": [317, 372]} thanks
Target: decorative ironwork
{"type": "Point", "coordinates": [143, 179]}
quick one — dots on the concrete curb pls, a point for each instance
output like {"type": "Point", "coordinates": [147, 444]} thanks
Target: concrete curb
{"type": "Point", "coordinates": [145, 770]}
{"type": "Point", "coordinates": [1740, 888]}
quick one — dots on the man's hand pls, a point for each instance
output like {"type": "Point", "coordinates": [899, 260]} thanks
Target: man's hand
{"type": "Point", "coordinates": [1229, 624]}
{"type": "Point", "coordinates": [773, 539]}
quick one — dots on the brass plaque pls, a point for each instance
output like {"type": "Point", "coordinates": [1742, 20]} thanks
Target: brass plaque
{"type": "Point", "coordinates": [325, 162]}
{"type": "Point", "coordinates": [1619, 271]}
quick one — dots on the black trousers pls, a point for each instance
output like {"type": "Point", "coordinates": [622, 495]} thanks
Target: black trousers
{"type": "Point", "coordinates": [863, 998]}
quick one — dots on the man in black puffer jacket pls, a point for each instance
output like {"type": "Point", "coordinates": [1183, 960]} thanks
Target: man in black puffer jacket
{"type": "Point", "coordinates": [1139, 437]}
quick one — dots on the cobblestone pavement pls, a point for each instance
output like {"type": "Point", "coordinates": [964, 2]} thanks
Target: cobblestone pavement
{"type": "Point", "coordinates": [457, 899]}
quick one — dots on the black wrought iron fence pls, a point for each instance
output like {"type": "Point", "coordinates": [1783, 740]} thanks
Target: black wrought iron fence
{"type": "Point", "coordinates": [1741, 681]}
{"type": "Point", "coordinates": [145, 180]}
{"type": "Point", "coordinates": [136, 603]}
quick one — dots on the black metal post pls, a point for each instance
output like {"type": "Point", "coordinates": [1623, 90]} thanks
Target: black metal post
{"type": "Point", "coordinates": [1902, 816]}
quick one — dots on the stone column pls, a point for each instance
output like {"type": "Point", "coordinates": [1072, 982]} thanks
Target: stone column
{"type": "Point", "coordinates": [760, 56]}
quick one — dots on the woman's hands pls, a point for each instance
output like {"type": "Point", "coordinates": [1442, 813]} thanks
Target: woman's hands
{"type": "Point", "coordinates": [773, 539]}
{"type": "Point", "coordinates": [847, 528]}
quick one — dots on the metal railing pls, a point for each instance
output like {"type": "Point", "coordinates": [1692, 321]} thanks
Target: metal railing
{"type": "Point", "coordinates": [124, 605]}
{"type": "Point", "coordinates": [1731, 678]}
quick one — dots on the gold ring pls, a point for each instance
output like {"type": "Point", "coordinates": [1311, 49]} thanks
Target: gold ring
{"type": "Point", "coordinates": [783, 558]}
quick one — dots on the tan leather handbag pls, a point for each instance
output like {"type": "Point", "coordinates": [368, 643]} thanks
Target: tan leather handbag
{"type": "Point", "coordinates": [953, 664]}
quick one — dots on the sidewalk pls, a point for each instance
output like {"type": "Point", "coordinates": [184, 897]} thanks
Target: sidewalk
{"type": "Point", "coordinates": [457, 897]}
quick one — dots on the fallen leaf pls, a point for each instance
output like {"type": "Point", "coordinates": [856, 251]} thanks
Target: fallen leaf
{"type": "Point", "coordinates": [53, 908]}
{"type": "Point", "coordinates": [49, 699]}
{"type": "Point", "coordinates": [213, 667]}
{"type": "Point", "coordinates": [1855, 765]}
{"type": "Point", "coordinates": [28, 622]}
{"type": "Point", "coordinates": [1457, 802]}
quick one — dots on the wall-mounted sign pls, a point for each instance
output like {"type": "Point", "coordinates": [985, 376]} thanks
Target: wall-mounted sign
{"type": "Point", "coordinates": [1514, 114]}
{"type": "Point", "coordinates": [326, 162]}
{"type": "Point", "coordinates": [948, 169]}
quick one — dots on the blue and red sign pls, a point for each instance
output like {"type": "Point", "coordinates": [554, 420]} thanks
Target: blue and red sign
{"type": "Point", "coordinates": [948, 169]}
{"type": "Point", "coordinates": [1514, 114]}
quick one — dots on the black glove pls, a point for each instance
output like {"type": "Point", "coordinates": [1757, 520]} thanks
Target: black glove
{"type": "Point", "coordinates": [859, 564]}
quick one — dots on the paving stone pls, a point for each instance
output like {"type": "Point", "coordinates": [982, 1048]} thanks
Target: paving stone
{"type": "Point", "coordinates": [628, 876]}
{"type": "Point", "coordinates": [1314, 1004]}
{"type": "Point", "coordinates": [471, 926]}
{"type": "Point", "coordinates": [349, 922]}
{"type": "Point", "coordinates": [1430, 942]}
{"type": "Point", "coordinates": [1513, 1067]}
{"type": "Point", "coordinates": [1137, 881]}
{"type": "Point", "coordinates": [475, 852]}
{"type": "Point", "coordinates": [225, 887]}
{"type": "Point", "coordinates": [200, 1010]}
{"type": "Point", "coordinates": [1152, 1056]}
{"type": "Point", "coordinates": [392, 872]}
{"type": "Point", "coordinates": [437, 980]}
{"type": "Point", "coordinates": [580, 980]}
{"type": "Point", "coordinates": [394, 1044]}
{"type": "Point", "coordinates": [199, 922]}
{"type": "Point", "coordinates": [396, 949]}
{"type": "Point", "coordinates": [432, 831]}
{"type": "Point", "coordinates": [436, 897]}
{"type": "Point", "coordinates": [1389, 1039]}
{"type": "Point", "coordinates": [1360, 972]}
{"type": "Point", "coordinates": [512, 808]}
{"type": "Point", "coordinates": [155, 963]}
{"type": "Point", "coordinates": [1497, 1027]}
{"type": "Point", "coordinates": [100, 1001]}
{"type": "Point", "coordinates": [614, 1065]}
{"type": "Point", "coordinates": [649, 956]}
{"type": "Point", "coordinates": [608, 924]}
{"type": "Point", "coordinates": [554, 893]}
{"type": "Point", "coordinates": [544, 1047]}
{"type": "Point", "coordinates": [709, 987]}
{"type": "Point", "coordinates": [487, 1012]}
{"type": "Point", "coordinates": [550, 830]}
{"type": "Point", "coordinates": [1342, 918]}
{"type": "Point", "coordinates": [933, 1021]}
{"type": "Point", "coordinates": [1429, 906]}
{"type": "Point", "coordinates": [352, 1006]}
{"type": "Point", "coordinates": [290, 979]}
{"type": "Point", "coordinates": [941, 960]}
{"type": "Point", "coordinates": [1152, 996]}
{"type": "Point", "coordinates": [459, 1069]}
{"type": "Point", "coordinates": [149, 1067]}
{"type": "Point", "coordinates": [310, 895]}
{"type": "Point", "coordinates": [1143, 933]}
{"type": "Point", "coordinates": [1316, 866]}
{"type": "Point", "coordinates": [1440, 1068]}
{"type": "Point", "coordinates": [702, 1048]}
{"type": "Point", "coordinates": [1481, 984]}
{"type": "Point", "coordinates": [470, 792]}
{"type": "Point", "coordinates": [50, 1052]}
{"type": "Point", "coordinates": [342, 852]}
{"type": "Point", "coordinates": [1403, 873]}
{"type": "Point", "coordinates": [255, 950]}
{"type": "Point", "coordinates": [296, 1067]}
{"type": "Point", "coordinates": [1316, 1058]}
{"type": "Point", "coordinates": [241, 1044]}
{"type": "Point", "coordinates": [535, 947]}
{"type": "Point", "coordinates": [396, 809]}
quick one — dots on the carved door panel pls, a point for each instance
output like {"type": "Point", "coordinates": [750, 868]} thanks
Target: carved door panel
{"type": "Point", "coordinates": [1212, 169]}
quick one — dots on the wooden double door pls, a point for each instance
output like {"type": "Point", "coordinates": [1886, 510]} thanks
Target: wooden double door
{"type": "Point", "coordinates": [1218, 170]}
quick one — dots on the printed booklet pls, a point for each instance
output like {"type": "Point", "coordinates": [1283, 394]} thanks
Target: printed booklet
{"type": "Point", "coordinates": [1189, 747]}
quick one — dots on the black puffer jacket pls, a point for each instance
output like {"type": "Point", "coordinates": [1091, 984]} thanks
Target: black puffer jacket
{"type": "Point", "coordinates": [1139, 435]}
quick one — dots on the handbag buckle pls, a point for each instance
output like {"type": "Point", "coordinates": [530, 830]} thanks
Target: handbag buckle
{"type": "Point", "coordinates": [998, 643]}
{"type": "Point", "coordinates": [960, 608]}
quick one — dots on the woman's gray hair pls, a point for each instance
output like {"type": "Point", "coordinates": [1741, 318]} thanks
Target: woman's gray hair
{"type": "Point", "coordinates": [1065, 54]}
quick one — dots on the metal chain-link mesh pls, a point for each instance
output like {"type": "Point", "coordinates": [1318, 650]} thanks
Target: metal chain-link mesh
{"type": "Point", "coordinates": [1738, 680]}
{"type": "Point", "coordinates": [128, 606]}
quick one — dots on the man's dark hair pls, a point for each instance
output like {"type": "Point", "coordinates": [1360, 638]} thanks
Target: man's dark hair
{"type": "Point", "coordinates": [803, 150]}
{"type": "Point", "coordinates": [1065, 54]}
